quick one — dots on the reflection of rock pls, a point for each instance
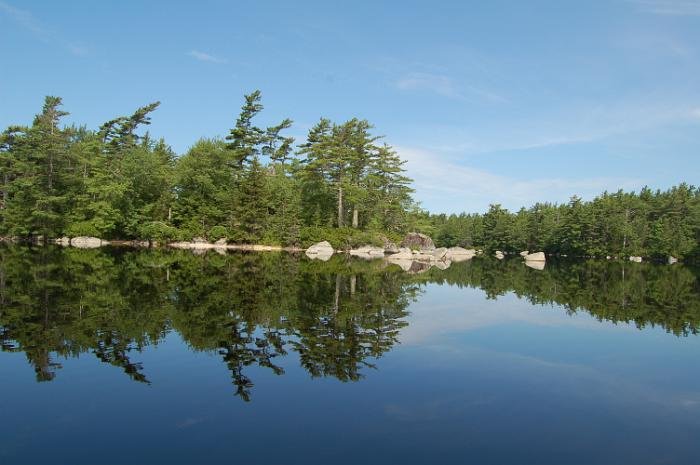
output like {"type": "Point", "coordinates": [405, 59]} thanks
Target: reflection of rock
{"type": "Point", "coordinates": [368, 252]}
{"type": "Point", "coordinates": [403, 263]}
{"type": "Point", "coordinates": [196, 244]}
{"type": "Point", "coordinates": [416, 240]}
{"type": "Point", "coordinates": [535, 264]}
{"type": "Point", "coordinates": [442, 265]}
{"type": "Point", "coordinates": [636, 259]}
{"type": "Point", "coordinates": [423, 256]}
{"type": "Point", "coordinates": [419, 267]}
{"type": "Point", "coordinates": [458, 254]}
{"type": "Point", "coordinates": [499, 255]}
{"type": "Point", "coordinates": [535, 257]}
{"type": "Point", "coordinates": [320, 251]}
{"type": "Point", "coordinates": [439, 254]}
{"type": "Point", "coordinates": [86, 242]}
{"type": "Point", "coordinates": [672, 260]}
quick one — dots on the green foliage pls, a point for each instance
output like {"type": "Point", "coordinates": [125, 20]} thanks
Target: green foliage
{"type": "Point", "coordinates": [159, 231]}
{"type": "Point", "coordinates": [342, 185]}
{"type": "Point", "coordinates": [651, 224]}
{"type": "Point", "coordinates": [341, 238]}
{"type": "Point", "coordinates": [218, 232]}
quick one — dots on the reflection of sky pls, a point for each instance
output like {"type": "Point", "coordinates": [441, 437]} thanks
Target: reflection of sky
{"type": "Point", "coordinates": [473, 381]}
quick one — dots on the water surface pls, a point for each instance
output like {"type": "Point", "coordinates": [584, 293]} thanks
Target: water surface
{"type": "Point", "coordinates": [115, 357]}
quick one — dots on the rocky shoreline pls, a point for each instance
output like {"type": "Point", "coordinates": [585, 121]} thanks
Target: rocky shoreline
{"type": "Point", "coordinates": [415, 254]}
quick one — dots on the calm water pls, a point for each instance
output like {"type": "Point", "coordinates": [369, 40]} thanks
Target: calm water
{"type": "Point", "coordinates": [130, 357]}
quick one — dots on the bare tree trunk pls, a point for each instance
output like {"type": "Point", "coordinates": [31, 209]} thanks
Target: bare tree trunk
{"type": "Point", "coordinates": [336, 304]}
{"type": "Point", "coordinates": [355, 217]}
{"type": "Point", "coordinates": [353, 284]}
{"type": "Point", "coordinates": [340, 206]}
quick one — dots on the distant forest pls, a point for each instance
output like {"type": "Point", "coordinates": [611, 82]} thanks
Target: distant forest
{"type": "Point", "coordinates": [258, 185]}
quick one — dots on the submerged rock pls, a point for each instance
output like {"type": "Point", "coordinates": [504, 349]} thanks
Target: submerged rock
{"type": "Point", "coordinates": [419, 241]}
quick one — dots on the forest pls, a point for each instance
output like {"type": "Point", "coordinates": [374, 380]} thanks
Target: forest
{"type": "Point", "coordinates": [258, 185]}
{"type": "Point", "coordinates": [655, 224]}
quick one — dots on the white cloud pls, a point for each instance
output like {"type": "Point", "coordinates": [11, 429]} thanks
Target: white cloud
{"type": "Point", "coordinates": [431, 321]}
{"type": "Point", "coordinates": [669, 7]}
{"type": "Point", "coordinates": [201, 56]}
{"type": "Point", "coordinates": [445, 186]}
{"type": "Point", "coordinates": [445, 86]}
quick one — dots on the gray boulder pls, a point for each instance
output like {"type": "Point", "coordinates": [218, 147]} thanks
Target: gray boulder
{"type": "Point", "coordinates": [390, 247]}
{"type": "Point", "coordinates": [320, 251]}
{"type": "Point", "coordinates": [499, 255]}
{"type": "Point", "coordinates": [87, 242]}
{"type": "Point", "coordinates": [419, 241]}
{"type": "Point", "coordinates": [535, 257]}
{"type": "Point", "coordinates": [672, 260]}
{"type": "Point", "coordinates": [636, 259]}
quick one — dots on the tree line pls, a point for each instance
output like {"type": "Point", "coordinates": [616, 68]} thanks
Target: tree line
{"type": "Point", "coordinates": [654, 224]}
{"type": "Point", "coordinates": [254, 185]}
{"type": "Point", "coordinates": [257, 185]}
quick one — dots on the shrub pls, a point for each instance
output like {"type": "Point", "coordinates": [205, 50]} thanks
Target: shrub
{"type": "Point", "coordinates": [218, 232]}
{"type": "Point", "coordinates": [159, 231]}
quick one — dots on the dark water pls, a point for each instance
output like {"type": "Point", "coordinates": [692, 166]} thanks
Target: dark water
{"type": "Point", "coordinates": [114, 357]}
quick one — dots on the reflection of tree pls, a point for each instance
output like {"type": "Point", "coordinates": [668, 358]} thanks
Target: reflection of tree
{"type": "Point", "coordinates": [243, 349]}
{"type": "Point", "coordinates": [640, 293]}
{"type": "Point", "coordinates": [251, 309]}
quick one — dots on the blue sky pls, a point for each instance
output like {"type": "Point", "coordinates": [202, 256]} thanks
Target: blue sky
{"type": "Point", "coordinates": [505, 102]}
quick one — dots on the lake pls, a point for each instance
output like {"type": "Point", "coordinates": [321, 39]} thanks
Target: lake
{"type": "Point", "coordinates": [117, 356]}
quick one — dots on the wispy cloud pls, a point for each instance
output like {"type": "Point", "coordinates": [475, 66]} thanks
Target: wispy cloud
{"type": "Point", "coordinates": [452, 187]}
{"type": "Point", "coordinates": [26, 19]}
{"type": "Point", "coordinates": [445, 86]}
{"type": "Point", "coordinates": [201, 56]}
{"type": "Point", "coordinates": [669, 7]}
